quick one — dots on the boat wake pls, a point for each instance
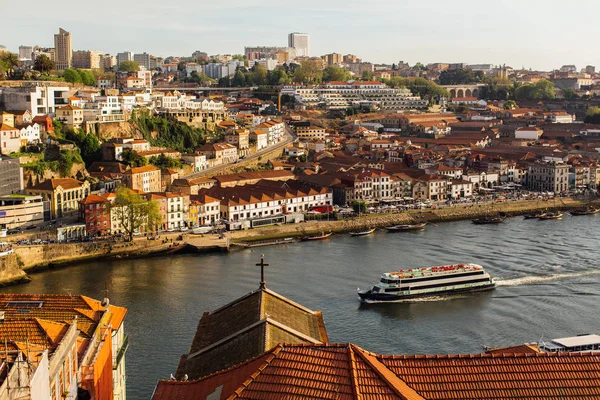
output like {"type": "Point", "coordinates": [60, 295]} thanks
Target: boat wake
{"type": "Point", "coordinates": [533, 280]}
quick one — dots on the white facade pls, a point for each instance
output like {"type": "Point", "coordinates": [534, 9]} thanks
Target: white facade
{"type": "Point", "coordinates": [528, 133]}
{"type": "Point", "coordinates": [197, 161]}
{"type": "Point", "coordinates": [39, 100]}
{"type": "Point", "coordinates": [31, 133]}
{"type": "Point", "coordinates": [300, 42]}
{"type": "Point", "coordinates": [261, 139]}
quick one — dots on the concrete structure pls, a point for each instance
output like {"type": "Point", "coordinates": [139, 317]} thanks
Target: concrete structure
{"type": "Point", "coordinates": [464, 90]}
{"type": "Point", "coordinates": [221, 70]}
{"type": "Point", "coordinates": [25, 53]}
{"type": "Point", "coordinates": [86, 59]}
{"type": "Point", "coordinates": [63, 50]}
{"type": "Point", "coordinates": [124, 56]}
{"type": "Point", "coordinates": [528, 133]}
{"type": "Point", "coordinates": [142, 59]}
{"type": "Point", "coordinates": [63, 194]}
{"type": "Point", "coordinates": [311, 132]}
{"type": "Point", "coordinates": [300, 42]}
{"type": "Point", "coordinates": [19, 210]}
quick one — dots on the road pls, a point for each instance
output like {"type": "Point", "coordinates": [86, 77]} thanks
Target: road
{"type": "Point", "coordinates": [289, 137]}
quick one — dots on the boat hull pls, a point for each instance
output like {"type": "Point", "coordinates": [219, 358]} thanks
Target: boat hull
{"type": "Point", "coordinates": [370, 297]}
{"type": "Point", "coordinates": [362, 233]}
{"type": "Point", "coordinates": [321, 237]}
{"type": "Point", "coordinates": [405, 228]}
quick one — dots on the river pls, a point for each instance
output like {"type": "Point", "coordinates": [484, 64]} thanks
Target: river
{"type": "Point", "coordinates": [547, 272]}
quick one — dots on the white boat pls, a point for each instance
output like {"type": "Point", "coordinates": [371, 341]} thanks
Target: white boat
{"type": "Point", "coordinates": [432, 281]}
{"type": "Point", "coordinates": [200, 230]}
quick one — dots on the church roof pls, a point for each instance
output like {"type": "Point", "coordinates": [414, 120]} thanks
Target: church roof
{"type": "Point", "coordinates": [247, 327]}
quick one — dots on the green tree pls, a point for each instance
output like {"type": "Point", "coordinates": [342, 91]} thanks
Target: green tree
{"type": "Point", "coordinates": [460, 76]}
{"type": "Point", "coordinates": [359, 206]}
{"type": "Point", "coordinates": [165, 162]}
{"type": "Point", "coordinates": [592, 116]}
{"type": "Point", "coordinates": [510, 105]}
{"type": "Point", "coordinates": [541, 90]}
{"type": "Point", "coordinates": [570, 94]}
{"type": "Point", "coordinates": [259, 74]}
{"type": "Point", "coordinates": [367, 76]}
{"type": "Point", "coordinates": [43, 64]}
{"type": "Point", "coordinates": [71, 75]}
{"type": "Point", "coordinates": [278, 77]}
{"type": "Point", "coordinates": [129, 66]}
{"type": "Point", "coordinates": [87, 77]}
{"type": "Point", "coordinates": [418, 86]}
{"type": "Point", "coordinates": [88, 144]}
{"type": "Point", "coordinates": [8, 62]}
{"type": "Point", "coordinates": [309, 72]}
{"type": "Point", "coordinates": [133, 159]}
{"type": "Point", "coordinates": [239, 79]}
{"type": "Point", "coordinates": [334, 73]}
{"type": "Point", "coordinates": [169, 133]}
{"type": "Point", "coordinates": [134, 213]}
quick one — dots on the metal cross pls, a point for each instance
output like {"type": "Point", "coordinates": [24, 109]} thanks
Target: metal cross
{"type": "Point", "coordinates": [262, 266]}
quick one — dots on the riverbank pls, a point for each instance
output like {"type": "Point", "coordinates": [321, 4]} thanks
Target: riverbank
{"type": "Point", "coordinates": [15, 268]}
{"type": "Point", "coordinates": [446, 214]}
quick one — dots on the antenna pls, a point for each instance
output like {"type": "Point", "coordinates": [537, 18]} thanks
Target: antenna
{"type": "Point", "coordinates": [262, 266]}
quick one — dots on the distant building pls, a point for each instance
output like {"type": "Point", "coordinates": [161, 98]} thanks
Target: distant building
{"type": "Point", "coordinates": [333, 59]}
{"type": "Point", "coordinates": [124, 56]}
{"type": "Point", "coordinates": [39, 100]}
{"type": "Point", "coordinates": [63, 50]}
{"type": "Point", "coordinates": [86, 59]}
{"type": "Point", "coordinates": [300, 42]}
{"type": "Point", "coordinates": [218, 71]}
{"type": "Point", "coordinates": [146, 179]}
{"type": "Point", "coordinates": [590, 69]}
{"type": "Point", "coordinates": [25, 53]}
{"type": "Point", "coordinates": [11, 176]}
{"type": "Point", "coordinates": [142, 59]}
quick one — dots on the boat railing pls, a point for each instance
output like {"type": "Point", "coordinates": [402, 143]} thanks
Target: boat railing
{"type": "Point", "coordinates": [410, 273]}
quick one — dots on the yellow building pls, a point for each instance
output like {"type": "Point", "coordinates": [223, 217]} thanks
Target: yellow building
{"type": "Point", "coordinates": [64, 195]}
{"type": "Point", "coordinates": [70, 116]}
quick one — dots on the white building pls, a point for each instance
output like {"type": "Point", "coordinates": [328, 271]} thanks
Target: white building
{"type": "Point", "coordinates": [260, 138]}
{"type": "Point", "coordinates": [528, 133]}
{"type": "Point", "coordinates": [197, 161]}
{"type": "Point", "coordinates": [218, 70]}
{"type": "Point", "coordinates": [39, 100]}
{"type": "Point", "coordinates": [300, 42]}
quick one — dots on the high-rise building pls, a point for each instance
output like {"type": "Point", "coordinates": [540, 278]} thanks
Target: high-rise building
{"type": "Point", "coordinates": [300, 42]}
{"type": "Point", "coordinates": [142, 59]}
{"type": "Point", "coordinates": [590, 69]}
{"type": "Point", "coordinates": [107, 61]}
{"type": "Point", "coordinates": [25, 52]}
{"type": "Point", "coordinates": [11, 175]}
{"type": "Point", "coordinates": [63, 49]}
{"type": "Point", "coordinates": [124, 56]}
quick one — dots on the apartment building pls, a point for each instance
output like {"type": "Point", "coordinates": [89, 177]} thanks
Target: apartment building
{"type": "Point", "coordinates": [548, 177]}
{"type": "Point", "coordinates": [311, 132]}
{"type": "Point", "coordinates": [63, 50]}
{"type": "Point", "coordinates": [38, 100]}
{"type": "Point", "coordinates": [146, 179]}
{"type": "Point", "coordinates": [17, 210]}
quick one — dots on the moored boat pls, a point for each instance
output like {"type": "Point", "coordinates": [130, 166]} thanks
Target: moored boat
{"type": "Point", "coordinates": [532, 216]}
{"type": "Point", "coordinates": [406, 227]}
{"type": "Point", "coordinates": [489, 220]}
{"type": "Point", "coordinates": [584, 211]}
{"type": "Point", "coordinates": [363, 233]}
{"type": "Point", "coordinates": [320, 236]}
{"type": "Point", "coordinates": [432, 281]}
{"type": "Point", "coordinates": [551, 215]}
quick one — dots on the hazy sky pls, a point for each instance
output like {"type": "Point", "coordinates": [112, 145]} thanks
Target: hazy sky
{"type": "Point", "coordinates": [531, 33]}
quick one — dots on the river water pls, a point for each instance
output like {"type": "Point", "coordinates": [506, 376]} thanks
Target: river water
{"type": "Point", "coordinates": [548, 273]}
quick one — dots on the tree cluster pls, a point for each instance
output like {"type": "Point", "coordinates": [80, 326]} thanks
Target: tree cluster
{"type": "Point", "coordinates": [592, 116]}
{"type": "Point", "coordinates": [418, 86]}
{"type": "Point", "coordinates": [89, 145]}
{"type": "Point", "coordinates": [541, 90]}
{"type": "Point", "coordinates": [165, 162]}
{"type": "Point", "coordinates": [79, 76]}
{"type": "Point", "coordinates": [43, 64]}
{"type": "Point", "coordinates": [8, 62]}
{"type": "Point", "coordinates": [257, 76]}
{"type": "Point", "coordinates": [133, 159]}
{"type": "Point", "coordinates": [129, 66]}
{"type": "Point", "coordinates": [460, 76]}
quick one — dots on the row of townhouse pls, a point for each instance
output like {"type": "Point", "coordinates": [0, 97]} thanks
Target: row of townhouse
{"type": "Point", "coordinates": [18, 129]}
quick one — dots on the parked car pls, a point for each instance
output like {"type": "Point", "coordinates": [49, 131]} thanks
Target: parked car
{"type": "Point", "coordinates": [13, 231]}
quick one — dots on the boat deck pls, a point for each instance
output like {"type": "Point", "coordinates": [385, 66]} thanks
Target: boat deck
{"type": "Point", "coordinates": [432, 271]}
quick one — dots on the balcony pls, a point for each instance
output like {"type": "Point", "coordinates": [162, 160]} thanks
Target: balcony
{"type": "Point", "coordinates": [121, 352]}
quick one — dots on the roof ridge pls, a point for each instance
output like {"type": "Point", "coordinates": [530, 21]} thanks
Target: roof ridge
{"type": "Point", "coordinates": [353, 373]}
{"type": "Point", "coordinates": [394, 382]}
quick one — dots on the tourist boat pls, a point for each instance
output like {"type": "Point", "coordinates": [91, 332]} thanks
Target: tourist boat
{"type": "Point", "coordinates": [489, 220]}
{"type": "Point", "coordinates": [321, 236]}
{"type": "Point", "coordinates": [363, 233]}
{"type": "Point", "coordinates": [585, 211]}
{"type": "Point", "coordinates": [406, 227]}
{"type": "Point", "coordinates": [551, 215]}
{"type": "Point", "coordinates": [433, 281]}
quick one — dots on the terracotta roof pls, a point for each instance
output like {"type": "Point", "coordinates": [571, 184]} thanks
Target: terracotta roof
{"type": "Point", "coordinates": [247, 327]}
{"type": "Point", "coordinates": [93, 199]}
{"type": "Point", "coordinates": [139, 170]}
{"type": "Point", "coordinates": [6, 127]}
{"type": "Point", "coordinates": [346, 371]}
{"type": "Point", "coordinates": [52, 184]}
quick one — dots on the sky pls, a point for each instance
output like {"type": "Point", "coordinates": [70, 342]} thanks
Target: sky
{"type": "Point", "coordinates": [533, 34]}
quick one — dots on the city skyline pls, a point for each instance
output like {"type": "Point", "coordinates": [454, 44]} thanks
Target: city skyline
{"type": "Point", "coordinates": [515, 34]}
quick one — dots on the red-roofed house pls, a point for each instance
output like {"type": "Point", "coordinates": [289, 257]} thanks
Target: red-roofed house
{"type": "Point", "coordinates": [95, 211]}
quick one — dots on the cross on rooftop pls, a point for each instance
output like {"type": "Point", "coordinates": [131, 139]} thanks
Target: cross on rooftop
{"type": "Point", "coordinates": [262, 266]}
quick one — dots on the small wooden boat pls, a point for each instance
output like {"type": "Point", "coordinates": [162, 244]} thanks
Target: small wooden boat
{"type": "Point", "coordinates": [584, 211]}
{"type": "Point", "coordinates": [363, 233]}
{"type": "Point", "coordinates": [551, 215]}
{"type": "Point", "coordinates": [531, 216]}
{"type": "Point", "coordinates": [489, 220]}
{"type": "Point", "coordinates": [406, 227]}
{"type": "Point", "coordinates": [317, 237]}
